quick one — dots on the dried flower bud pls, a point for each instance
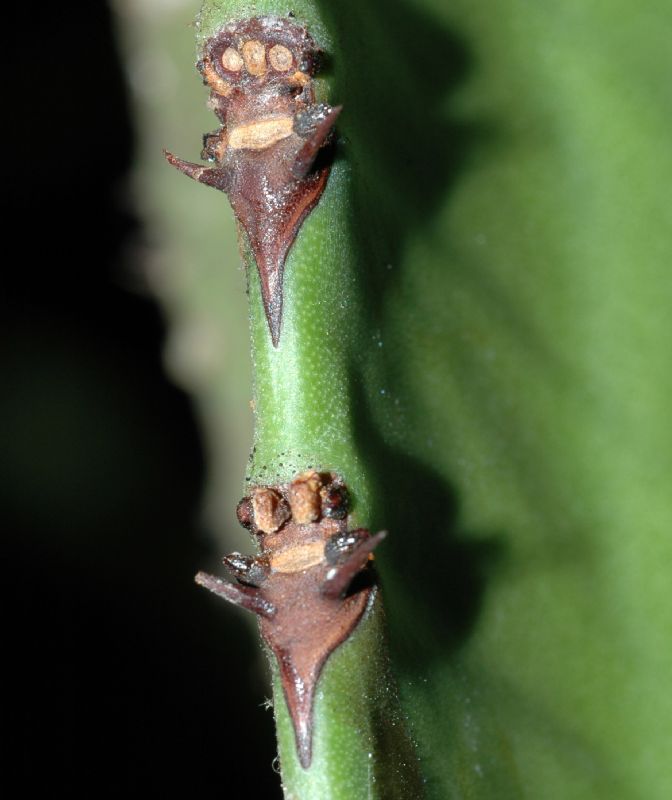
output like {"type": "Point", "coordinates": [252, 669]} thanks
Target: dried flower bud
{"type": "Point", "coordinates": [304, 498]}
{"type": "Point", "coordinates": [269, 509]}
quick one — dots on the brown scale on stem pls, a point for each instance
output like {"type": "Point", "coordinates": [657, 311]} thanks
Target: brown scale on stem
{"type": "Point", "coordinates": [260, 73]}
{"type": "Point", "coordinates": [309, 587]}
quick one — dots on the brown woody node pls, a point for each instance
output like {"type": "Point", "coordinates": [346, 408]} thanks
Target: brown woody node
{"type": "Point", "coordinates": [302, 588]}
{"type": "Point", "coordinates": [265, 161]}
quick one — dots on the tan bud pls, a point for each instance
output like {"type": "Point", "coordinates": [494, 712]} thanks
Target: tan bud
{"type": "Point", "coordinates": [270, 510]}
{"type": "Point", "coordinates": [304, 497]}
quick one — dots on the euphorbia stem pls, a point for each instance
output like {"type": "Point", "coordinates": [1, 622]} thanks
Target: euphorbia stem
{"type": "Point", "coordinates": [310, 336]}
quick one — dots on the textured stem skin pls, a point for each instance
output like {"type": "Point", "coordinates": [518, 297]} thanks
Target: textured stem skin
{"type": "Point", "coordinates": [303, 399]}
{"type": "Point", "coordinates": [303, 388]}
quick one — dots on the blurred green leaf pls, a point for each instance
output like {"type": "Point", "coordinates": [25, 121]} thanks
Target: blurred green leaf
{"type": "Point", "coordinates": [516, 158]}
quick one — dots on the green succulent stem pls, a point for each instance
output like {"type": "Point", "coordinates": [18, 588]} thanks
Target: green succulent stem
{"type": "Point", "coordinates": [303, 388]}
{"type": "Point", "coordinates": [304, 392]}
{"type": "Point", "coordinates": [303, 404]}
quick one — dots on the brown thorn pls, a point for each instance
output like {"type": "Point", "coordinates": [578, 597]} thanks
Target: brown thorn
{"type": "Point", "coordinates": [308, 153]}
{"type": "Point", "coordinates": [274, 318]}
{"type": "Point", "coordinates": [340, 577]}
{"type": "Point", "coordinates": [250, 570]}
{"type": "Point", "coordinates": [187, 167]}
{"type": "Point", "coordinates": [270, 276]}
{"type": "Point", "coordinates": [304, 737]}
{"type": "Point", "coordinates": [242, 596]}
{"type": "Point", "coordinates": [299, 695]}
{"type": "Point", "coordinates": [216, 177]}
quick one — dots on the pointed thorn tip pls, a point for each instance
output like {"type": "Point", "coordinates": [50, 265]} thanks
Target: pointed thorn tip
{"type": "Point", "coordinates": [273, 311]}
{"type": "Point", "coordinates": [337, 583]}
{"type": "Point", "coordinates": [308, 153]}
{"type": "Point", "coordinates": [243, 596]}
{"type": "Point", "coordinates": [305, 756]}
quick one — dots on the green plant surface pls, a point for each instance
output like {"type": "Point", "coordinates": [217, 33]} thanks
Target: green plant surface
{"type": "Point", "coordinates": [499, 391]}
{"type": "Point", "coordinates": [525, 331]}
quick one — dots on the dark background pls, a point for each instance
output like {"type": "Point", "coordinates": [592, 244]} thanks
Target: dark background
{"type": "Point", "coordinates": [122, 676]}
